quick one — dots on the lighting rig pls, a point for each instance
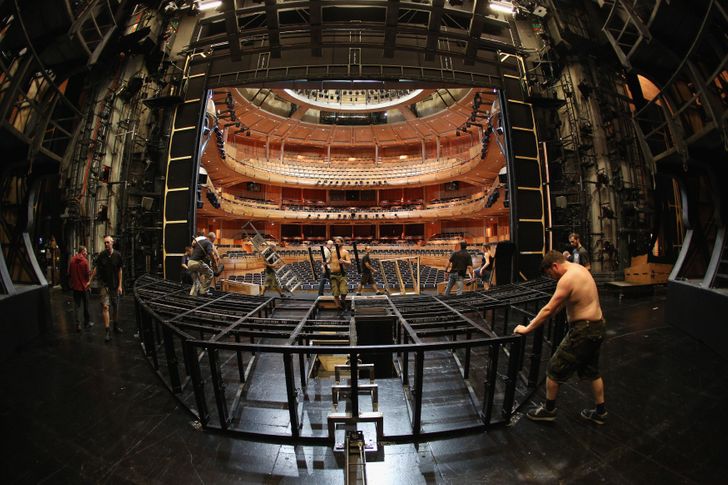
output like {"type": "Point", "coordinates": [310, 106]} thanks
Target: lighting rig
{"type": "Point", "coordinates": [480, 119]}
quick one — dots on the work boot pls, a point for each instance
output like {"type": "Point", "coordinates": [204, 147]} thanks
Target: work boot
{"type": "Point", "coordinates": [593, 416]}
{"type": "Point", "coordinates": [541, 414]}
{"type": "Point", "coordinates": [108, 336]}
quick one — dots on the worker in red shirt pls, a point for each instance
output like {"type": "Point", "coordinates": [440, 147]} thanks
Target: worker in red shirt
{"type": "Point", "coordinates": [78, 274]}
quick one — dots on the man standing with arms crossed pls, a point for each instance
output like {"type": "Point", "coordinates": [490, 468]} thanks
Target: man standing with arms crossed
{"type": "Point", "coordinates": [109, 268]}
{"type": "Point", "coordinates": [579, 350]}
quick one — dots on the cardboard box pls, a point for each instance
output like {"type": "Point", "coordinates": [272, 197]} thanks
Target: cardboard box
{"type": "Point", "coordinates": [647, 273]}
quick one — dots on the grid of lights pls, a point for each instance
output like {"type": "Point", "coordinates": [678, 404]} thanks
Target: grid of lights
{"type": "Point", "coordinates": [353, 99]}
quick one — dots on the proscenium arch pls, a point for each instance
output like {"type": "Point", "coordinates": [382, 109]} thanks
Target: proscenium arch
{"type": "Point", "coordinates": [525, 168]}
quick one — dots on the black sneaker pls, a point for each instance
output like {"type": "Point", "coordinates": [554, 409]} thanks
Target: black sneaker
{"type": "Point", "coordinates": [593, 416]}
{"type": "Point", "coordinates": [541, 414]}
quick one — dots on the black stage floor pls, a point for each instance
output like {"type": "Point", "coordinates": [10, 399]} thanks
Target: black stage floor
{"type": "Point", "coordinates": [77, 410]}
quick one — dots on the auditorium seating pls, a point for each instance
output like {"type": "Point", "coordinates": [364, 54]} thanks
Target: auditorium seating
{"type": "Point", "coordinates": [341, 171]}
{"type": "Point", "coordinates": [429, 276]}
{"type": "Point", "coordinates": [246, 207]}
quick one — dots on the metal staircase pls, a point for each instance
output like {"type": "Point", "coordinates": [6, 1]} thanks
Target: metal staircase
{"type": "Point", "coordinates": [353, 416]}
{"type": "Point", "coordinates": [288, 280]}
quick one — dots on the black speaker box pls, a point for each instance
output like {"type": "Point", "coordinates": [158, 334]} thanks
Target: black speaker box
{"type": "Point", "coordinates": [504, 252]}
{"type": "Point", "coordinates": [377, 330]}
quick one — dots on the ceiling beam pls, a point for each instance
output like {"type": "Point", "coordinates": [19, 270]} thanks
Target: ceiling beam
{"type": "Point", "coordinates": [231, 29]}
{"type": "Point", "coordinates": [433, 29]}
{"type": "Point", "coordinates": [477, 23]}
{"type": "Point", "coordinates": [315, 22]}
{"type": "Point", "coordinates": [274, 29]}
{"type": "Point", "coordinates": [390, 28]}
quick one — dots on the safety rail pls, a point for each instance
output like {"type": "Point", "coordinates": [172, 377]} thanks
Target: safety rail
{"type": "Point", "coordinates": [223, 356]}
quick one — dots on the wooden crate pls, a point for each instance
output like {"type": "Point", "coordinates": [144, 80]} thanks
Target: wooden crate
{"type": "Point", "coordinates": [241, 287]}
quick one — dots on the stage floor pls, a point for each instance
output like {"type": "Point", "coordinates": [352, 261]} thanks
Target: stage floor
{"type": "Point", "coordinates": [77, 410]}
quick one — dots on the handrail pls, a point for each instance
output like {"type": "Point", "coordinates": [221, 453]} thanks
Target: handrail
{"type": "Point", "coordinates": [161, 340]}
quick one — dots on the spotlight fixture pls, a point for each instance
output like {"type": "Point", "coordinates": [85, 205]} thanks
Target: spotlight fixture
{"type": "Point", "coordinates": [209, 5]}
{"type": "Point", "coordinates": [501, 7]}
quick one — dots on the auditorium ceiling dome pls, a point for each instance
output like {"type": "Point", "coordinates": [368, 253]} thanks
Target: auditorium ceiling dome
{"type": "Point", "coordinates": [355, 105]}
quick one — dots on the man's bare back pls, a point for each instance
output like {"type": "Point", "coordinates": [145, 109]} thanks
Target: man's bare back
{"type": "Point", "coordinates": [583, 300]}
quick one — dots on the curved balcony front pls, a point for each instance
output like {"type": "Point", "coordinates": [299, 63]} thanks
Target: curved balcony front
{"type": "Point", "coordinates": [338, 174]}
{"type": "Point", "coordinates": [251, 209]}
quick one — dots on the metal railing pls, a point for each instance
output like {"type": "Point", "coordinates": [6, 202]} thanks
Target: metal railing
{"type": "Point", "coordinates": [222, 357]}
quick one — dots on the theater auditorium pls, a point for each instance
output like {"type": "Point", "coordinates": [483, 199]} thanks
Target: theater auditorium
{"type": "Point", "coordinates": [363, 241]}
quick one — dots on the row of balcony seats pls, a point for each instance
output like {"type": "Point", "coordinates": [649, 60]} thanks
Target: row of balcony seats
{"type": "Point", "coordinates": [447, 235]}
{"type": "Point", "coordinates": [380, 244]}
{"type": "Point", "coordinates": [385, 253]}
{"type": "Point", "coordinates": [345, 212]}
{"type": "Point", "coordinates": [446, 200]}
{"type": "Point", "coordinates": [352, 173]}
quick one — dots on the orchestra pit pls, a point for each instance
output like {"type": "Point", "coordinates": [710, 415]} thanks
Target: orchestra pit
{"type": "Point", "coordinates": [426, 241]}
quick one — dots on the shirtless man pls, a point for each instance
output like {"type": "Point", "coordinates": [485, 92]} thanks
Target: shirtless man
{"type": "Point", "coordinates": [338, 263]}
{"type": "Point", "coordinates": [579, 351]}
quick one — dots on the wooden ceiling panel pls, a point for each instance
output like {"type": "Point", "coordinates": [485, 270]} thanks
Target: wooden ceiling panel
{"type": "Point", "coordinates": [264, 125]}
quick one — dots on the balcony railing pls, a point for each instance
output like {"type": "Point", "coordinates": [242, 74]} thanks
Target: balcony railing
{"type": "Point", "coordinates": [258, 209]}
{"type": "Point", "coordinates": [352, 174]}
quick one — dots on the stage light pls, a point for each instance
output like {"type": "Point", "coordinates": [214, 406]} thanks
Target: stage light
{"type": "Point", "coordinates": [501, 7]}
{"type": "Point", "coordinates": [209, 5]}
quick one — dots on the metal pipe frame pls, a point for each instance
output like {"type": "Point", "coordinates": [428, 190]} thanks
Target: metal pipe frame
{"type": "Point", "coordinates": [222, 319]}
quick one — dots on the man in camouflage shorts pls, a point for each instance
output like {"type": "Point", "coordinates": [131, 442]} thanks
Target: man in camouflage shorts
{"type": "Point", "coordinates": [579, 350]}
